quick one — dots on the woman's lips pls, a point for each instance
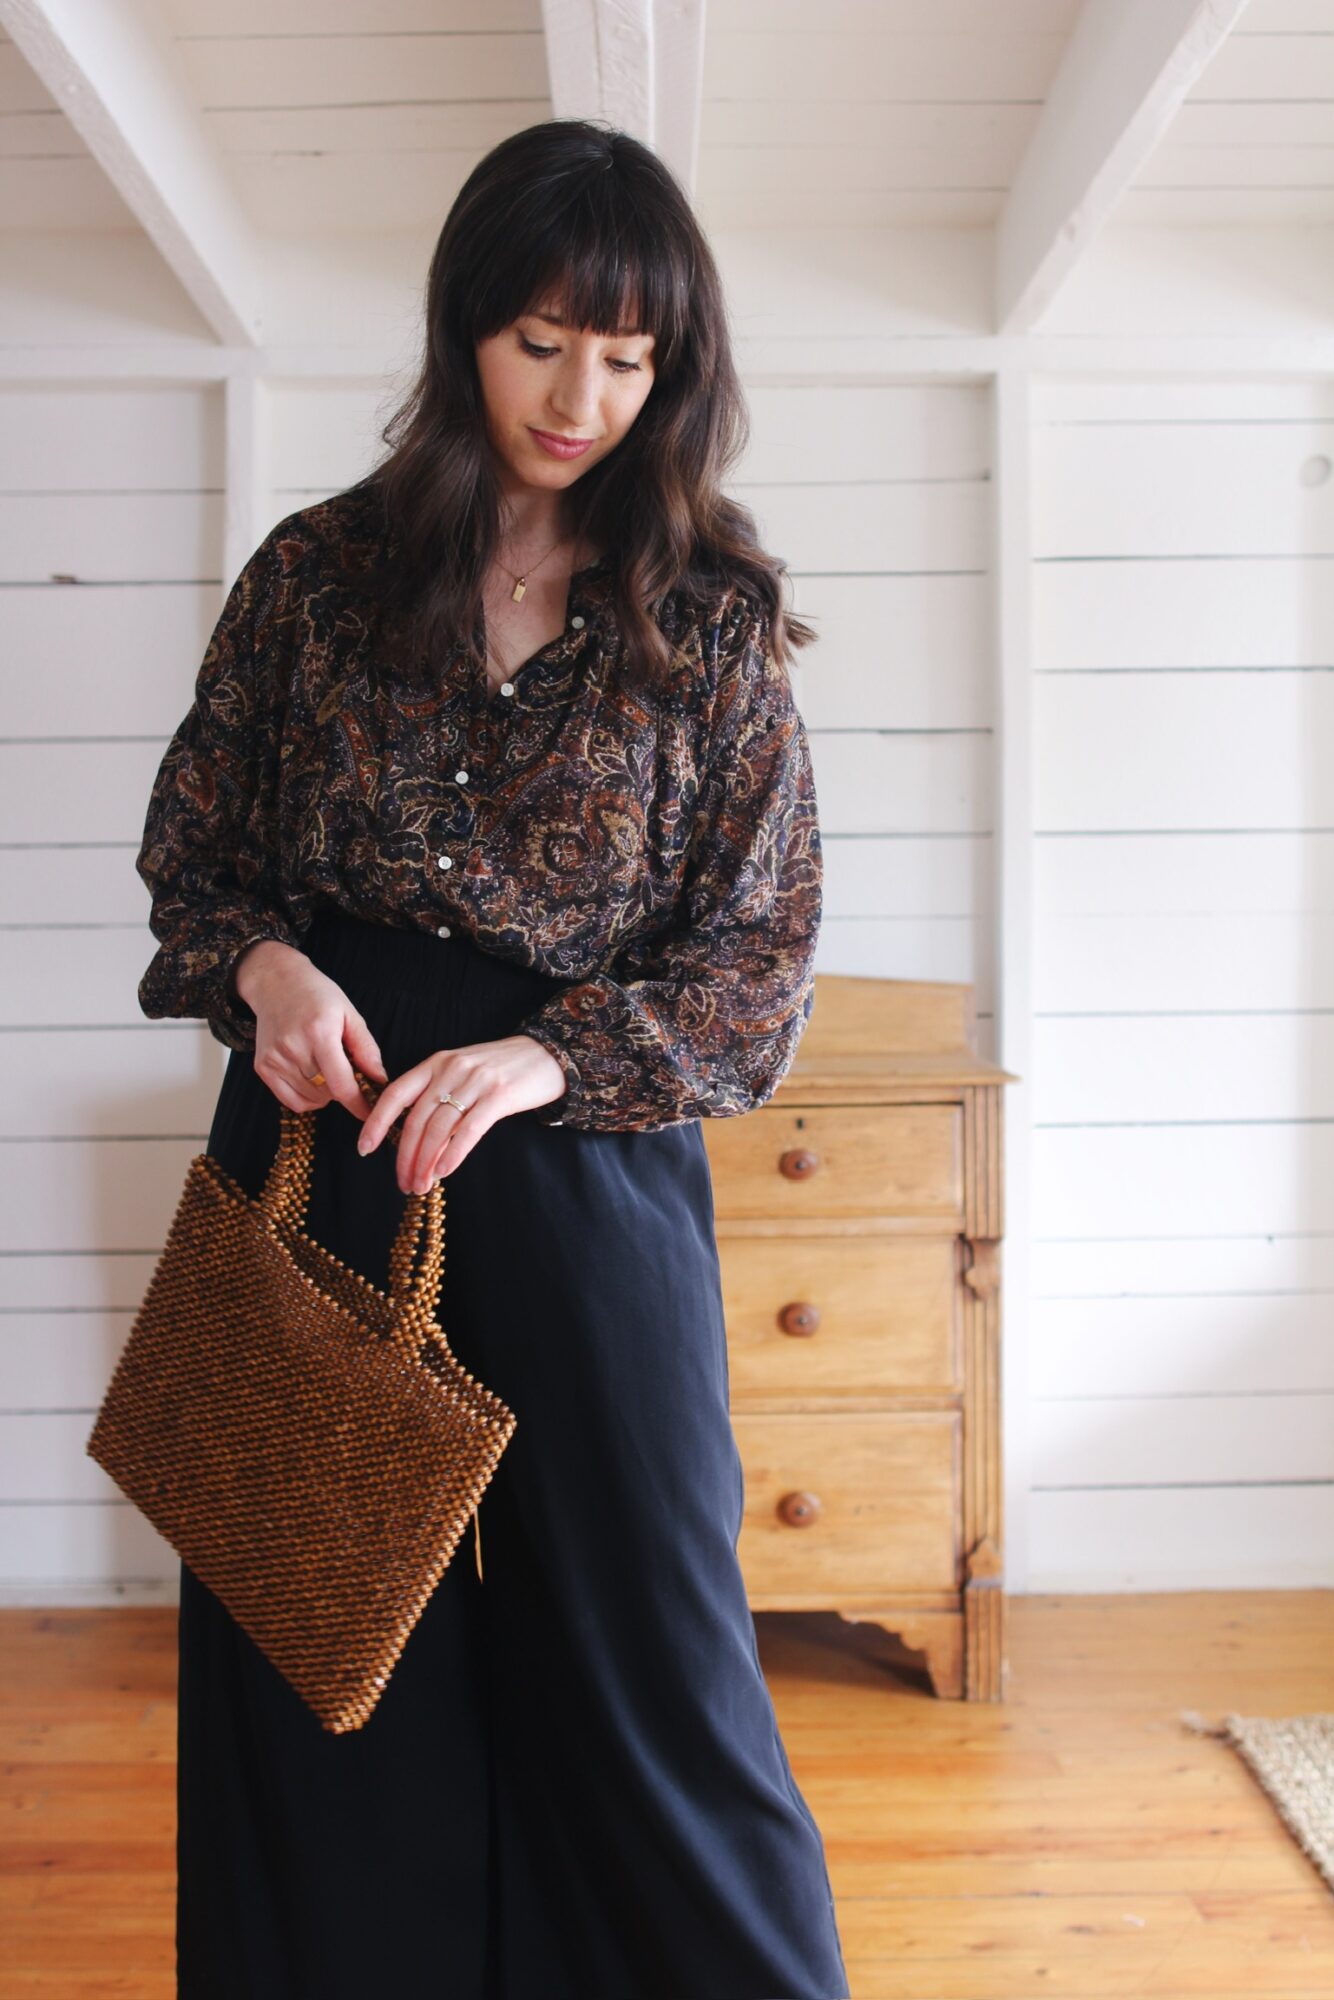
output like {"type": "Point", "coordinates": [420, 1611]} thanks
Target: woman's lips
{"type": "Point", "coordinates": [563, 447]}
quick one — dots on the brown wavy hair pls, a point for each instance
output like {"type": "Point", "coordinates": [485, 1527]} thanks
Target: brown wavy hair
{"type": "Point", "coordinates": [587, 213]}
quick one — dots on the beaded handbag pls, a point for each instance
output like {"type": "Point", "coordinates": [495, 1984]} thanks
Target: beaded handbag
{"type": "Point", "coordinates": [309, 1445]}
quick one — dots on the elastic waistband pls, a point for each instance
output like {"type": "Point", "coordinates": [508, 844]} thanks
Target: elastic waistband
{"type": "Point", "coordinates": [383, 946]}
{"type": "Point", "coordinates": [385, 955]}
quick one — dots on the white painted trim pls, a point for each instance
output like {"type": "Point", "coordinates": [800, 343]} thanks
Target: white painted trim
{"type": "Point", "coordinates": [1015, 930]}
{"type": "Point", "coordinates": [637, 65]}
{"type": "Point", "coordinates": [245, 426]}
{"type": "Point", "coordinates": [771, 363]}
{"type": "Point", "coordinates": [1126, 68]}
{"type": "Point", "coordinates": [113, 73]}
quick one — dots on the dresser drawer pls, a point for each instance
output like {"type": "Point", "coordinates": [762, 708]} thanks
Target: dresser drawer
{"type": "Point", "coordinates": [840, 1315]}
{"type": "Point", "coordinates": [902, 1160]}
{"type": "Point", "coordinates": [849, 1505]}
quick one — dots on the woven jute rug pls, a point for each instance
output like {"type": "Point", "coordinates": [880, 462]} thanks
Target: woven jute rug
{"type": "Point", "coordinates": [1293, 1758]}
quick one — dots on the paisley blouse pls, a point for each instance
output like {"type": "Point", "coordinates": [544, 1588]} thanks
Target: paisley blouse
{"type": "Point", "coordinates": [658, 853]}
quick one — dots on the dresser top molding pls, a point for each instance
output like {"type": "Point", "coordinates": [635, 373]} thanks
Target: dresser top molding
{"type": "Point", "coordinates": [909, 1031]}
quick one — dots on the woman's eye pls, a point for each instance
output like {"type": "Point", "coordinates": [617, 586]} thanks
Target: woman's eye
{"type": "Point", "coordinates": [542, 353]}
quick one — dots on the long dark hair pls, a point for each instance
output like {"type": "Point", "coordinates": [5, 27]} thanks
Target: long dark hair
{"type": "Point", "coordinates": [589, 214]}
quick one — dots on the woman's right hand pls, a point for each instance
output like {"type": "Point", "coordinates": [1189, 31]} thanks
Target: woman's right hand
{"type": "Point", "coordinates": [304, 1025]}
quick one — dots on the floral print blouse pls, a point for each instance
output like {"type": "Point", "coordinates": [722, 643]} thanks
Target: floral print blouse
{"type": "Point", "coordinates": [660, 854]}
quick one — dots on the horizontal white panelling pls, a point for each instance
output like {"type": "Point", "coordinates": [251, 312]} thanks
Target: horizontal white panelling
{"type": "Point", "coordinates": [1178, 612]}
{"type": "Point", "coordinates": [1211, 1178]}
{"type": "Point", "coordinates": [58, 1361]}
{"type": "Point", "coordinates": [897, 651]}
{"type": "Point", "coordinates": [1232, 875]}
{"type": "Point", "coordinates": [873, 209]}
{"type": "Point", "coordinates": [44, 1458]}
{"type": "Point", "coordinates": [906, 875]}
{"type": "Point", "coordinates": [75, 976]}
{"type": "Point", "coordinates": [119, 658]}
{"type": "Point", "coordinates": [96, 1285]}
{"type": "Point", "coordinates": [1181, 1439]}
{"type": "Point", "coordinates": [868, 435]}
{"type": "Point", "coordinates": [1277, 1536]}
{"type": "Point", "coordinates": [153, 1078]}
{"type": "Point", "coordinates": [87, 884]}
{"type": "Point", "coordinates": [1203, 1345]}
{"type": "Point", "coordinates": [121, 438]}
{"type": "Point", "coordinates": [1108, 1070]}
{"type": "Point", "coordinates": [927, 144]}
{"type": "Point", "coordinates": [1276, 66]}
{"type": "Point", "coordinates": [1189, 750]}
{"type": "Point", "coordinates": [201, 18]}
{"type": "Point", "coordinates": [870, 781]}
{"type": "Point", "coordinates": [1211, 1266]}
{"type": "Point", "coordinates": [1183, 1052]}
{"type": "Point", "coordinates": [53, 193]}
{"type": "Point", "coordinates": [354, 193]}
{"type": "Point", "coordinates": [110, 537]}
{"type": "Point", "coordinates": [52, 1360]}
{"type": "Point", "coordinates": [321, 436]}
{"type": "Point", "coordinates": [280, 69]}
{"type": "Point", "coordinates": [1134, 489]}
{"type": "Point", "coordinates": [91, 1194]}
{"type": "Point", "coordinates": [383, 138]}
{"type": "Point", "coordinates": [1271, 282]}
{"type": "Point", "coordinates": [98, 1553]}
{"type": "Point", "coordinates": [1186, 961]}
{"type": "Point", "coordinates": [76, 791]}
{"type": "Point", "coordinates": [110, 294]}
{"type": "Point", "coordinates": [952, 948]}
{"type": "Point", "coordinates": [827, 526]}
{"type": "Point", "coordinates": [916, 64]}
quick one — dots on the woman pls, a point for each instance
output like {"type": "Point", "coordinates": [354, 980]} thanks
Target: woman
{"type": "Point", "coordinates": [494, 786]}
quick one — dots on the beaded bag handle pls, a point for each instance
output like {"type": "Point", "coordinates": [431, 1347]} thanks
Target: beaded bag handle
{"type": "Point", "coordinates": [285, 1198]}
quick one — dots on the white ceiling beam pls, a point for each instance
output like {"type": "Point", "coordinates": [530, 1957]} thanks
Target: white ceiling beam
{"type": "Point", "coordinates": [638, 65]}
{"type": "Point", "coordinates": [111, 68]}
{"type": "Point", "coordinates": [1126, 68]}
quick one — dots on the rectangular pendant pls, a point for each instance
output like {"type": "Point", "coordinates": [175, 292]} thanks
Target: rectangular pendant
{"type": "Point", "coordinates": [518, 591]}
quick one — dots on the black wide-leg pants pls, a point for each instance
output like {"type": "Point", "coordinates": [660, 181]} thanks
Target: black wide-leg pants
{"type": "Point", "coordinates": [573, 1786]}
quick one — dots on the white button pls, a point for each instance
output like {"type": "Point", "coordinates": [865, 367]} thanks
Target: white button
{"type": "Point", "coordinates": [444, 860]}
{"type": "Point", "coordinates": [507, 687]}
{"type": "Point", "coordinates": [460, 777]}
{"type": "Point", "coordinates": [557, 1121]}
{"type": "Point", "coordinates": [442, 930]}
{"type": "Point", "coordinates": [577, 623]}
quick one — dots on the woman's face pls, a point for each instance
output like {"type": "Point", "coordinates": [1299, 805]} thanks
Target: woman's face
{"type": "Point", "coordinates": [540, 376]}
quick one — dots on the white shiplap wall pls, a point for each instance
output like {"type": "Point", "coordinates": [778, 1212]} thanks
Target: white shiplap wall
{"type": "Point", "coordinates": [120, 486]}
{"type": "Point", "coordinates": [1180, 1352]}
{"type": "Point", "coordinates": [879, 499]}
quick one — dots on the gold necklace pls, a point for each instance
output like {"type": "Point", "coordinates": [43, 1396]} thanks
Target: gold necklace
{"type": "Point", "coordinates": [520, 585]}
{"type": "Point", "coordinates": [521, 582]}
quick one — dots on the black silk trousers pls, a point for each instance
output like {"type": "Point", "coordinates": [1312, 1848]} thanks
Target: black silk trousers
{"type": "Point", "coordinates": [573, 1786]}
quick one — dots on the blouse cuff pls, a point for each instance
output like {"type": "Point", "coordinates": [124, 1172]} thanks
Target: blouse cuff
{"type": "Point", "coordinates": [196, 981]}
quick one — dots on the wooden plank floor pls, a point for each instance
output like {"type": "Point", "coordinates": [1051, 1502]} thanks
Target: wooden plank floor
{"type": "Point", "coordinates": [1074, 1840]}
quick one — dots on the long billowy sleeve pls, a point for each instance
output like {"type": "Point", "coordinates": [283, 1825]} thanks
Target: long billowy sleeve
{"type": "Point", "coordinates": [207, 854]}
{"type": "Point", "coordinates": [702, 1020]}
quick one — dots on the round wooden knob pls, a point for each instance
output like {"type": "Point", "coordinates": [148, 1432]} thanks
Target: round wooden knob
{"type": "Point", "coordinates": [800, 1317]}
{"type": "Point", "coordinates": [798, 1163]}
{"type": "Point", "coordinates": [799, 1509]}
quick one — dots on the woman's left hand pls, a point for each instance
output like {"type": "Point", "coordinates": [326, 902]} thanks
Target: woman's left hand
{"type": "Point", "coordinates": [493, 1079]}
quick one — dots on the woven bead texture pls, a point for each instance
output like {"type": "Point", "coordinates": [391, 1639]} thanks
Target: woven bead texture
{"type": "Point", "coordinates": [309, 1444]}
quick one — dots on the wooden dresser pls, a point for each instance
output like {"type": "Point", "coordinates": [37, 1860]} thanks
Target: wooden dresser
{"type": "Point", "coordinates": [859, 1218]}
